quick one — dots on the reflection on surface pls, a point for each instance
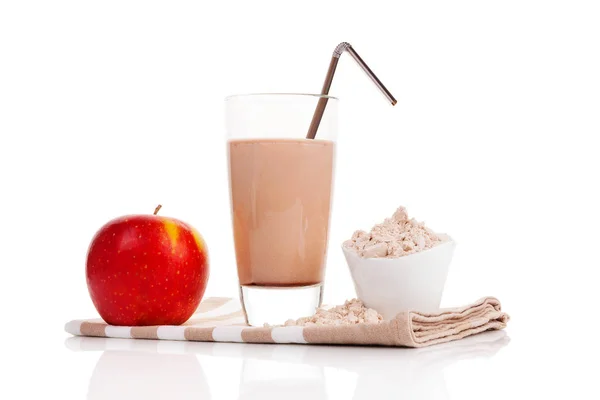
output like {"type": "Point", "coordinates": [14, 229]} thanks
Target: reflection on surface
{"type": "Point", "coordinates": [140, 375]}
{"type": "Point", "coordinates": [276, 380]}
{"type": "Point", "coordinates": [159, 369]}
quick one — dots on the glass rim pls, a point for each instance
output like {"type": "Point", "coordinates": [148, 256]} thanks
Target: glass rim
{"type": "Point", "coordinates": [238, 96]}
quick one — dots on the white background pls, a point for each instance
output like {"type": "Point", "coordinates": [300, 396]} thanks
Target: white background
{"type": "Point", "coordinates": [109, 108]}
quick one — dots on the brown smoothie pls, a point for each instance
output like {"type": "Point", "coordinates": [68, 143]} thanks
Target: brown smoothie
{"type": "Point", "coordinates": [281, 196]}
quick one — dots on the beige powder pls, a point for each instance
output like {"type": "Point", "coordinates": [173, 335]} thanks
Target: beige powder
{"type": "Point", "coordinates": [395, 237]}
{"type": "Point", "coordinates": [350, 313]}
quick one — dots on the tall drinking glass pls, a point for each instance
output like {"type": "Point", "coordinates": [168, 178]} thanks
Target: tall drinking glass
{"type": "Point", "coordinates": [281, 188]}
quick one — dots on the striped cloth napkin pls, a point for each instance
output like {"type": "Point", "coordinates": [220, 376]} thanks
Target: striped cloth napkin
{"type": "Point", "coordinates": [220, 319]}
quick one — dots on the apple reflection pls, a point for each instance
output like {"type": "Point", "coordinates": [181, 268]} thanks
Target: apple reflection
{"type": "Point", "coordinates": [124, 374]}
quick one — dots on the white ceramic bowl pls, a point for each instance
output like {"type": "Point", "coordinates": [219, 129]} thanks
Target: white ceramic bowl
{"type": "Point", "coordinates": [409, 283]}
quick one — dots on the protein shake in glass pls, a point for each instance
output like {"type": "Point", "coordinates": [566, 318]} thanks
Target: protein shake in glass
{"type": "Point", "coordinates": [281, 189]}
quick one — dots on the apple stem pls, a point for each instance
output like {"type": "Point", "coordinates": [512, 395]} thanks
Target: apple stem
{"type": "Point", "coordinates": [157, 208]}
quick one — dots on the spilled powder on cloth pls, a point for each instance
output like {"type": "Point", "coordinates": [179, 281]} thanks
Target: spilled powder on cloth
{"type": "Point", "coordinates": [396, 237]}
{"type": "Point", "coordinates": [350, 313]}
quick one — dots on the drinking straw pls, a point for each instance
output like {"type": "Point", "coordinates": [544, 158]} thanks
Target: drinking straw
{"type": "Point", "coordinates": [322, 103]}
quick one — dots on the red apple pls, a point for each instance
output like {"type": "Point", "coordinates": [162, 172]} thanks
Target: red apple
{"type": "Point", "coordinates": [146, 270]}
